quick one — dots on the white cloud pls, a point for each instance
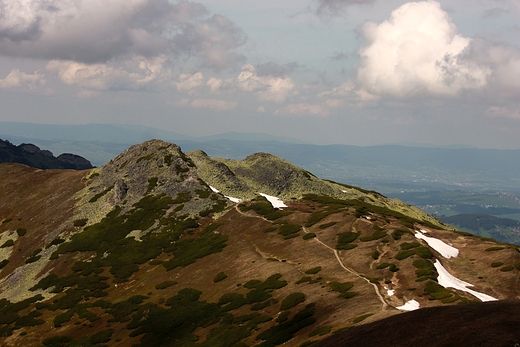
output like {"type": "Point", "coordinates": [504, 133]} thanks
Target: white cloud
{"type": "Point", "coordinates": [132, 74]}
{"type": "Point", "coordinates": [187, 83]}
{"type": "Point", "coordinates": [96, 31]}
{"type": "Point", "coordinates": [265, 87]}
{"type": "Point", "coordinates": [417, 51]}
{"type": "Point", "coordinates": [303, 109]}
{"type": "Point", "coordinates": [215, 84]}
{"type": "Point", "coordinates": [268, 88]}
{"type": "Point", "coordinates": [21, 80]}
{"type": "Point", "coordinates": [214, 104]}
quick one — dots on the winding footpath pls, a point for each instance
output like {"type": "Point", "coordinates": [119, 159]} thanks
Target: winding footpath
{"type": "Point", "coordinates": [384, 304]}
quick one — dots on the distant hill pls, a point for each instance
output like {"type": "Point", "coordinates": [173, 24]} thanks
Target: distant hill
{"type": "Point", "coordinates": [161, 247]}
{"type": "Point", "coordinates": [32, 155]}
{"type": "Point", "coordinates": [500, 229]}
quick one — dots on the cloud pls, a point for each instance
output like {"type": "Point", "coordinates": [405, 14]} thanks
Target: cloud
{"type": "Point", "coordinates": [268, 88]}
{"type": "Point", "coordinates": [333, 7]}
{"type": "Point", "coordinates": [302, 109]}
{"type": "Point", "coordinates": [265, 87]}
{"type": "Point", "coordinates": [96, 31]}
{"type": "Point", "coordinates": [214, 104]}
{"type": "Point", "coordinates": [21, 80]}
{"type": "Point", "coordinates": [213, 39]}
{"type": "Point", "coordinates": [503, 112]}
{"type": "Point", "coordinates": [503, 62]}
{"type": "Point", "coordinates": [417, 51]}
{"type": "Point", "coordinates": [131, 74]}
{"type": "Point", "coordinates": [187, 83]}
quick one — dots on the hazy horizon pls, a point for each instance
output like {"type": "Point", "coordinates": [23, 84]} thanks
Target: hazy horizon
{"type": "Point", "coordinates": [355, 72]}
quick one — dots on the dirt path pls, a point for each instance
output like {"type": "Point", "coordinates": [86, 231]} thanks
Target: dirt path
{"type": "Point", "coordinates": [384, 304]}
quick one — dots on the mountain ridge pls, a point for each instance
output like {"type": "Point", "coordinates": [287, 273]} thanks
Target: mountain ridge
{"type": "Point", "coordinates": [32, 155]}
{"type": "Point", "coordinates": [142, 251]}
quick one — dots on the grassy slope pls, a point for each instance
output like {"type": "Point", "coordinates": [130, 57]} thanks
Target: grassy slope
{"type": "Point", "coordinates": [258, 242]}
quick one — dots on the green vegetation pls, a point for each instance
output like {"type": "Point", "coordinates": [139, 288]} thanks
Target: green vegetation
{"type": "Point", "coordinates": [289, 231]}
{"type": "Point", "coordinates": [292, 300]}
{"type": "Point", "coordinates": [410, 249]}
{"type": "Point", "coordinates": [219, 277]}
{"type": "Point", "coordinates": [398, 233]}
{"type": "Point", "coordinates": [285, 331]}
{"type": "Point", "coordinates": [100, 194]}
{"type": "Point", "coordinates": [507, 268]}
{"type": "Point", "coordinates": [438, 292]}
{"type": "Point", "coordinates": [425, 270]}
{"type": "Point", "coordinates": [8, 243]}
{"type": "Point", "coordinates": [165, 284]}
{"type": "Point", "coordinates": [390, 266]}
{"type": "Point", "coordinates": [313, 271]}
{"type": "Point", "coordinates": [21, 232]}
{"type": "Point", "coordinates": [363, 208]}
{"type": "Point", "coordinates": [80, 222]}
{"type": "Point", "coordinates": [320, 331]}
{"type": "Point", "coordinates": [309, 236]}
{"type": "Point", "coordinates": [264, 208]}
{"type": "Point", "coordinates": [35, 256]}
{"type": "Point", "coordinates": [495, 248]}
{"type": "Point", "coordinates": [378, 233]}
{"type": "Point", "coordinates": [405, 245]}
{"type": "Point", "coordinates": [152, 183]}
{"type": "Point", "coordinates": [362, 318]}
{"type": "Point", "coordinates": [497, 264]}
{"type": "Point", "coordinates": [343, 289]}
{"type": "Point", "coordinates": [345, 239]}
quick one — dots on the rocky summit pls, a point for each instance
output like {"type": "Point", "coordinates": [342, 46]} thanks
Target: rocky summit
{"type": "Point", "coordinates": [165, 248]}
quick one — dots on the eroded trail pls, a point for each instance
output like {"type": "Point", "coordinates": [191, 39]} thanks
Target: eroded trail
{"type": "Point", "coordinates": [384, 304]}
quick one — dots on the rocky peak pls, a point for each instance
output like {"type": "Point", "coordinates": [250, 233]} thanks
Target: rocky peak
{"type": "Point", "coordinates": [153, 167]}
{"type": "Point", "coordinates": [30, 148]}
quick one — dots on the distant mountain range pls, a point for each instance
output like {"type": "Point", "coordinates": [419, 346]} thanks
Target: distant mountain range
{"type": "Point", "coordinates": [161, 247]}
{"type": "Point", "coordinates": [388, 168]}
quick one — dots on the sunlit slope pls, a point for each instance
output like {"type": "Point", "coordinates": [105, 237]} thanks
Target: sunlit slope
{"type": "Point", "coordinates": [143, 252]}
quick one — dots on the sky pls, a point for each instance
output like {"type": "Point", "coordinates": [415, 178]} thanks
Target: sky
{"type": "Point", "coordinates": [358, 72]}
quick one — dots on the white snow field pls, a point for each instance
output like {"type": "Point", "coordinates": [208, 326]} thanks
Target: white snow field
{"type": "Point", "coordinates": [411, 305]}
{"type": "Point", "coordinates": [443, 248]}
{"type": "Point", "coordinates": [277, 203]}
{"type": "Point", "coordinates": [447, 280]}
{"type": "Point", "coordinates": [235, 200]}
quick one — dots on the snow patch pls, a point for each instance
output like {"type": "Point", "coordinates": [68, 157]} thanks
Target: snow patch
{"type": "Point", "coordinates": [390, 292]}
{"type": "Point", "coordinates": [443, 248]}
{"type": "Point", "coordinates": [277, 203]}
{"type": "Point", "coordinates": [235, 200]}
{"type": "Point", "coordinates": [447, 280]}
{"type": "Point", "coordinates": [411, 305]}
